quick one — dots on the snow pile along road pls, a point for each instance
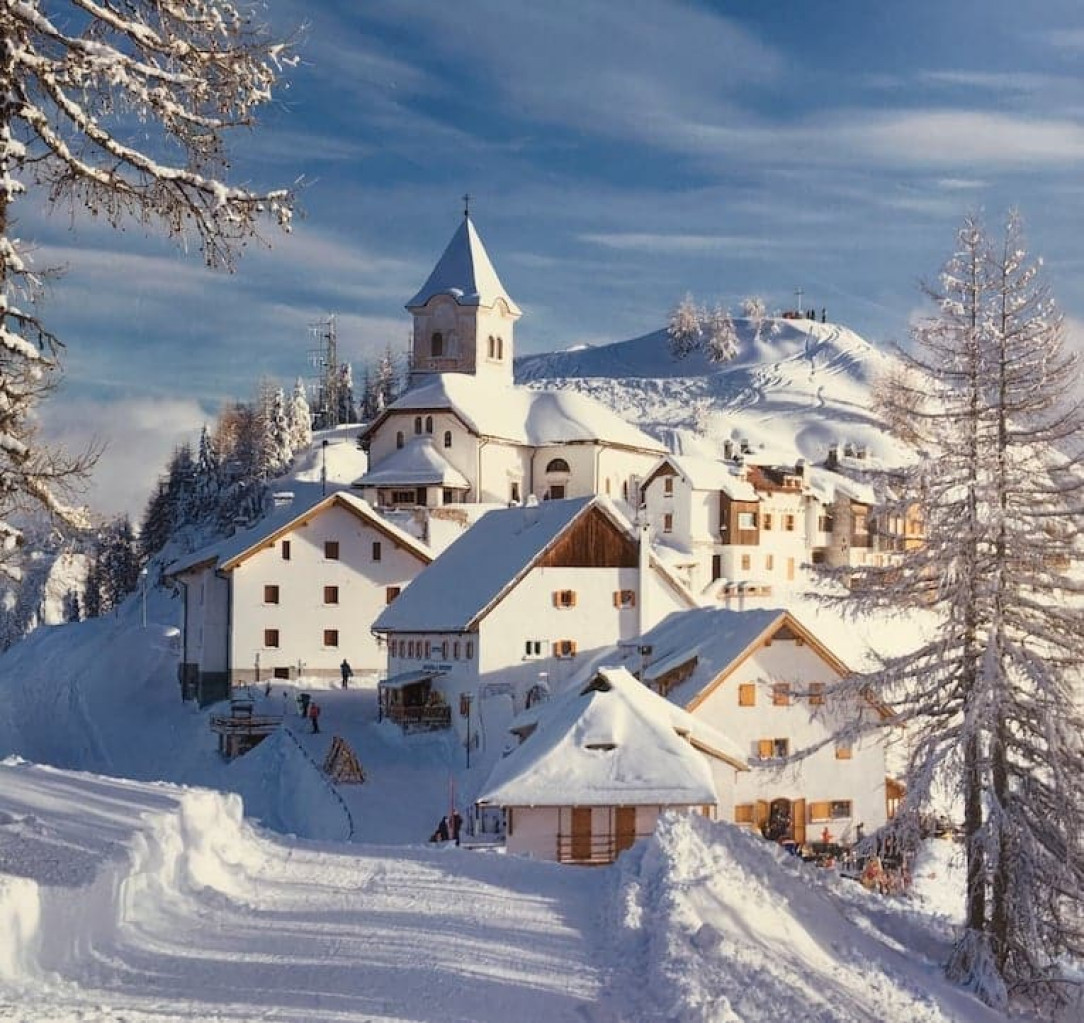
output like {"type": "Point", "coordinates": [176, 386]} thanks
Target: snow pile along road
{"type": "Point", "coordinates": [712, 925]}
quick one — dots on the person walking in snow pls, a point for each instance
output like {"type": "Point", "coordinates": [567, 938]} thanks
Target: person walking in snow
{"type": "Point", "coordinates": [314, 716]}
{"type": "Point", "coordinates": [303, 704]}
{"type": "Point", "coordinates": [346, 670]}
{"type": "Point", "coordinates": [457, 823]}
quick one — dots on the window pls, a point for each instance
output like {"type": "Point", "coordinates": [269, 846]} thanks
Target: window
{"type": "Point", "coordinates": [470, 649]}
{"type": "Point", "coordinates": [564, 598]}
{"type": "Point", "coordinates": [331, 637]}
{"type": "Point", "coordinates": [428, 649]}
{"type": "Point", "coordinates": [769, 562]}
{"type": "Point", "coordinates": [743, 813]}
{"type": "Point", "coordinates": [270, 594]}
{"type": "Point", "coordinates": [788, 523]}
{"type": "Point", "coordinates": [535, 648]}
{"type": "Point", "coordinates": [417, 424]}
{"type": "Point", "coordinates": [668, 523]}
{"type": "Point", "coordinates": [391, 592]}
{"type": "Point", "coordinates": [436, 346]}
{"type": "Point", "coordinates": [747, 694]}
{"type": "Point", "coordinates": [428, 424]}
{"type": "Point", "coordinates": [767, 520]}
{"type": "Point", "coordinates": [668, 485]}
{"type": "Point", "coordinates": [747, 520]}
{"type": "Point", "coordinates": [331, 550]}
{"type": "Point", "coordinates": [558, 465]}
{"type": "Point", "coordinates": [404, 496]}
{"type": "Point", "coordinates": [447, 438]}
{"type": "Point", "coordinates": [410, 648]}
{"type": "Point", "coordinates": [770, 749]}
{"type": "Point", "coordinates": [331, 594]}
{"type": "Point", "coordinates": [399, 439]}
{"type": "Point", "coordinates": [285, 550]}
{"type": "Point", "coordinates": [513, 494]}
{"type": "Point", "coordinates": [843, 751]}
{"type": "Point", "coordinates": [393, 647]}
{"type": "Point", "coordinates": [780, 694]}
{"type": "Point", "coordinates": [816, 693]}
{"type": "Point", "coordinates": [746, 562]}
{"type": "Point", "coordinates": [830, 809]}
{"type": "Point", "coordinates": [624, 598]}
{"type": "Point", "coordinates": [444, 650]}
{"type": "Point", "coordinates": [271, 637]}
{"type": "Point", "coordinates": [455, 650]}
{"type": "Point", "coordinates": [860, 524]}
{"type": "Point", "coordinates": [376, 550]}
{"type": "Point", "coordinates": [825, 524]}
{"type": "Point", "coordinates": [564, 648]}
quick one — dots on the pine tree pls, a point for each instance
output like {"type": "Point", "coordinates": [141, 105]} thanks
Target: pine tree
{"type": "Point", "coordinates": [300, 418]}
{"type": "Point", "coordinates": [387, 380]}
{"type": "Point", "coordinates": [988, 699]}
{"type": "Point", "coordinates": [720, 337]}
{"type": "Point", "coordinates": [684, 328]}
{"type": "Point", "coordinates": [91, 95]}
{"type": "Point", "coordinates": [347, 412]}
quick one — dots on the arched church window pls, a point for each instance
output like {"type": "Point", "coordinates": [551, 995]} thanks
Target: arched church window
{"type": "Point", "coordinates": [500, 348]}
{"type": "Point", "coordinates": [399, 439]}
{"type": "Point", "coordinates": [436, 344]}
{"type": "Point", "coordinates": [428, 424]}
{"type": "Point", "coordinates": [447, 438]}
{"type": "Point", "coordinates": [558, 465]}
{"type": "Point", "coordinates": [417, 424]}
{"type": "Point", "coordinates": [492, 349]}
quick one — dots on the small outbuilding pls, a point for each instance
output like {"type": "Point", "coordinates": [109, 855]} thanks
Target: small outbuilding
{"type": "Point", "coordinates": [599, 763]}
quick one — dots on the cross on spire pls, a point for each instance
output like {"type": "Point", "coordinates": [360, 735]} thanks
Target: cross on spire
{"type": "Point", "coordinates": [466, 204]}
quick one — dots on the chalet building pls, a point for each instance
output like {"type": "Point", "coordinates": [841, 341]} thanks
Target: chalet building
{"type": "Point", "coordinates": [463, 433]}
{"type": "Point", "coordinates": [744, 530]}
{"type": "Point", "coordinates": [293, 596]}
{"type": "Point", "coordinates": [599, 763]}
{"type": "Point", "coordinates": [517, 604]}
{"type": "Point", "coordinates": [763, 680]}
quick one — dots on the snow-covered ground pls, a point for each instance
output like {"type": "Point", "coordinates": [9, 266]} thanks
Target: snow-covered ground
{"type": "Point", "coordinates": [256, 890]}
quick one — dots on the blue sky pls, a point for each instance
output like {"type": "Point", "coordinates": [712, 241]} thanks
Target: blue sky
{"type": "Point", "coordinates": [618, 155]}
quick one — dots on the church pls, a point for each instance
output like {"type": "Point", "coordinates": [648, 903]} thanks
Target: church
{"type": "Point", "coordinates": [464, 433]}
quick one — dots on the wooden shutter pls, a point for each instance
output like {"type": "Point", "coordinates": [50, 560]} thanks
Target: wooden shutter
{"type": "Point", "coordinates": [764, 749]}
{"type": "Point", "coordinates": [624, 827]}
{"type": "Point", "coordinates": [820, 811]}
{"type": "Point", "coordinates": [797, 819]}
{"type": "Point", "coordinates": [760, 813]}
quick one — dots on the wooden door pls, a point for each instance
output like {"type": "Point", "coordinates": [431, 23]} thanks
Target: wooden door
{"type": "Point", "coordinates": [716, 567]}
{"type": "Point", "coordinates": [797, 818]}
{"type": "Point", "coordinates": [581, 832]}
{"type": "Point", "coordinates": [624, 827]}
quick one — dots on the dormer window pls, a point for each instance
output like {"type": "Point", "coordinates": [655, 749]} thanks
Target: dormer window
{"type": "Point", "coordinates": [436, 344]}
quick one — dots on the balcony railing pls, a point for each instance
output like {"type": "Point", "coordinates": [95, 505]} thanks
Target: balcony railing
{"type": "Point", "coordinates": [594, 849]}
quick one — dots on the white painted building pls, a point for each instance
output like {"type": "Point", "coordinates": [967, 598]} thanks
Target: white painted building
{"type": "Point", "coordinates": [522, 600]}
{"type": "Point", "coordinates": [741, 530]}
{"type": "Point", "coordinates": [463, 433]}
{"type": "Point", "coordinates": [763, 680]}
{"type": "Point", "coordinates": [599, 763]}
{"type": "Point", "coordinates": [293, 596]}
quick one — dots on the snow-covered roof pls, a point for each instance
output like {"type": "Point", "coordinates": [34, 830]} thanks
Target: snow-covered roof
{"type": "Point", "coordinates": [520, 415]}
{"type": "Point", "coordinates": [611, 741]}
{"type": "Point", "coordinates": [481, 565]}
{"type": "Point", "coordinates": [712, 474]}
{"type": "Point", "coordinates": [465, 273]}
{"type": "Point", "coordinates": [717, 638]}
{"type": "Point", "coordinates": [418, 463]}
{"type": "Point", "coordinates": [827, 484]}
{"type": "Point", "coordinates": [225, 554]}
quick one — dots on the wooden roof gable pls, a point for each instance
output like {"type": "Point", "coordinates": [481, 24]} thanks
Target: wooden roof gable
{"type": "Point", "coordinates": [592, 540]}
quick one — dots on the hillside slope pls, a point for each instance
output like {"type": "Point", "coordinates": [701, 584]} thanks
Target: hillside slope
{"type": "Point", "coordinates": [795, 388]}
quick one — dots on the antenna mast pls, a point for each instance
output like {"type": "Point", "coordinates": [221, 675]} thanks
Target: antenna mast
{"type": "Point", "coordinates": [329, 382]}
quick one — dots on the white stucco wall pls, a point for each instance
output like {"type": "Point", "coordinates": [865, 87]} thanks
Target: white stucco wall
{"type": "Point", "coordinates": [301, 616]}
{"type": "Point", "coordinates": [206, 598]}
{"type": "Point", "coordinates": [822, 776]}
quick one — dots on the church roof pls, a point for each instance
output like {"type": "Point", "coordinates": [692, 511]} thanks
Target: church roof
{"type": "Point", "coordinates": [465, 273]}
{"type": "Point", "coordinates": [521, 415]}
{"type": "Point", "coordinates": [416, 464]}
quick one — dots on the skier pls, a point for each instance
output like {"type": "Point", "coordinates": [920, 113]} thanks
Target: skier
{"type": "Point", "coordinates": [303, 704]}
{"type": "Point", "coordinates": [314, 716]}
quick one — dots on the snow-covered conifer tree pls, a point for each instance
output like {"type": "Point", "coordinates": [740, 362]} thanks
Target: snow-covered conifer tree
{"type": "Point", "coordinates": [300, 418]}
{"type": "Point", "coordinates": [93, 98]}
{"type": "Point", "coordinates": [347, 412]}
{"type": "Point", "coordinates": [720, 336]}
{"type": "Point", "coordinates": [684, 327]}
{"type": "Point", "coordinates": [755, 311]}
{"type": "Point", "coordinates": [989, 698]}
{"type": "Point", "coordinates": [387, 380]}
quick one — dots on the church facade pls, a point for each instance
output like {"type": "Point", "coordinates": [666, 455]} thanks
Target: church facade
{"type": "Point", "coordinates": [463, 433]}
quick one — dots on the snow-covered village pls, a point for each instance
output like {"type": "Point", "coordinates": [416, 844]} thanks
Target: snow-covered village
{"type": "Point", "coordinates": [533, 571]}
